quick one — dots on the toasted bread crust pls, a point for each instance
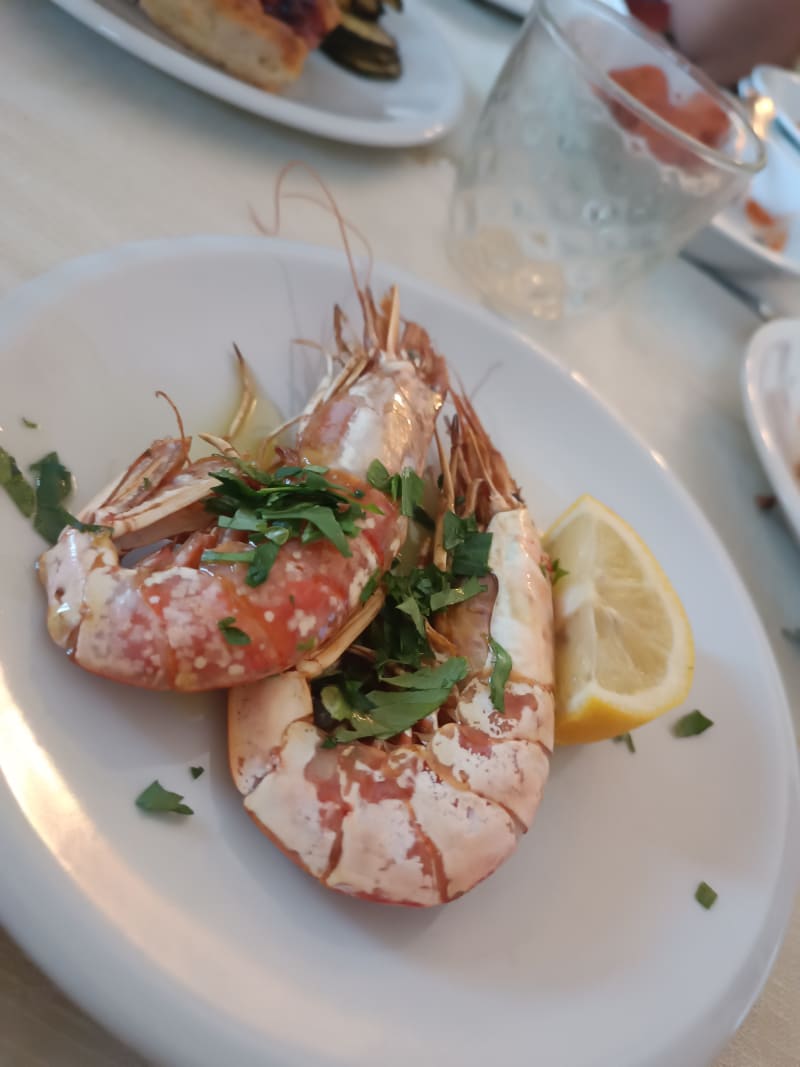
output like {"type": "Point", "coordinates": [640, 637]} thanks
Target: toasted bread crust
{"type": "Point", "coordinates": [240, 37]}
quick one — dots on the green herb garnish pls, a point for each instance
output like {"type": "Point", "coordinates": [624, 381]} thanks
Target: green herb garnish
{"type": "Point", "coordinates": [446, 598]}
{"type": "Point", "coordinates": [406, 487]}
{"type": "Point", "coordinates": [705, 895]}
{"type": "Point", "coordinates": [398, 634]}
{"type": "Point", "coordinates": [557, 572]}
{"type": "Point", "coordinates": [16, 484]}
{"type": "Point", "coordinates": [264, 555]}
{"type": "Point", "coordinates": [44, 502]}
{"type": "Point", "coordinates": [30, 423]}
{"type": "Point", "coordinates": [470, 548]}
{"type": "Point", "coordinates": [196, 771]}
{"type": "Point", "coordinates": [232, 634]}
{"type": "Point", "coordinates": [371, 586]}
{"type": "Point", "coordinates": [273, 507]}
{"type": "Point", "coordinates": [472, 556]}
{"type": "Point", "coordinates": [626, 740]}
{"type": "Point", "coordinates": [500, 674]}
{"type": "Point", "coordinates": [158, 799]}
{"type": "Point", "coordinates": [53, 486]}
{"type": "Point", "coordinates": [410, 606]}
{"type": "Point", "coordinates": [423, 519]}
{"type": "Point", "coordinates": [692, 724]}
{"type": "Point", "coordinates": [383, 714]}
{"type": "Point", "coordinates": [444, 675]}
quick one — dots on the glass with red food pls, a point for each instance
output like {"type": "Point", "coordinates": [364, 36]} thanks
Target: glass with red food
{"type": "Point", "coordinates": [600, 151]}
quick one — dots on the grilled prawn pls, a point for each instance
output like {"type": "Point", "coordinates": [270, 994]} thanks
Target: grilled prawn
{"type": "Point", "coordinates": [190, 615]}
{"type": "Point", "coordinates": [419, 813]}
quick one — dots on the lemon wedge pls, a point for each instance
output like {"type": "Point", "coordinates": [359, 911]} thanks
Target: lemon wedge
{"type": "Point", "coordinates": [624, 648]}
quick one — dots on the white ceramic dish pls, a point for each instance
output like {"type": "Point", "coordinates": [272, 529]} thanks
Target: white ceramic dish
{"type": "Point", "coordinates": [197, 940]}
{"type": "Point", "coordinates": [522, 7]}
{"type": "Point", "coordinates": [422, 105]}
{"type": "Point", "coordinates": [730, 243]}
{"type": "Point", "coordinates": [783, 87]}
{"type": "Point", "coordinates": [771, 398]}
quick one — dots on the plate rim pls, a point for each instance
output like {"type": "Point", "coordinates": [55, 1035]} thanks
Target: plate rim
{"type": "Point", "coordinates": [758, 76]}
{"type": "Point", "coordinates": [213, 81]}
{"type": "Point", "coordinates": [90, 991]}
{"type": "Point", "coordinates": [774, 262]}
{"type": "Point", "coordinates": [758, 424]}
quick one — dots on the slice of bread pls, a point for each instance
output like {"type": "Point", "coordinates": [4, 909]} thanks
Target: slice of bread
{"type": "Point", "coordinates": [267, 50]}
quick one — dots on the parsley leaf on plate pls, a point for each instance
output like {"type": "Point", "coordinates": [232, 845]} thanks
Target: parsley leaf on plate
{"type": "Point", "coordinates": [692, 724]}
{"type": "Point", "coordinates": [158, 799]}
{"type": "Point", "coordinates": [626, 740]}
{"type": "Point", "coordinates": [705, 896]}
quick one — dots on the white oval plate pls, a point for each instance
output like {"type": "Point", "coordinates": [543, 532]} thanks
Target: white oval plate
{"type": "Point", "coordinates": [771, 397]}
{"type": "Point", "coordinates": [200, 942]}
{"type": "Point", "coordinates": [522, 7]}
{"type": "Point", "coordinates": [421, 106]}
{"type": "Point", "coordinates": [783, 87]}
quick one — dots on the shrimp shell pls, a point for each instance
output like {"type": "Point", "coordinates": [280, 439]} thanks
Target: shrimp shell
{"type": "Point", "coordinates": [161, 622]}
{"type": "Point", "coordinates": [423, 818]}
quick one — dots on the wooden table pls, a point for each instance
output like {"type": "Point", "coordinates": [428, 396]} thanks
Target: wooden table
{"type": "Point", "coordinates": [97, 148]}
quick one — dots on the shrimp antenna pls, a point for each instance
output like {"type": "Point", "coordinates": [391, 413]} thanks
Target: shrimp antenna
{"type": "Point", "coordinates": [247, 400]}
{"type": "Point", "coordinates": [177, 414]}
{"type": "Point", "coordinates": [330, 204]}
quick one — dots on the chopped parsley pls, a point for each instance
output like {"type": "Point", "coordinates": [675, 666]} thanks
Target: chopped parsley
{"type": "Point", "coordinates": [500, 673]}
{"type": "Point", "coordinates": [158, 799]}
{"type": "Point", "coordinates": [470, 548]}
{"type": "Point", "coordinates": [232, 634]}
{"type": "Point", "coordinates": [53, 486]}
{"type": "Point", "coordinates": [557, 572]}
{"type": "Point", "coordinates": [627, 740]}
{"type": "Point", "coordinates": [399, 681]}
{"type": "Point", "coordinates": [371, 586]}
{"type": "Point", "coordinates": [43, 502]}
{"type": "Point", "coordinates": [30, 423]}
{"type": "Point", "coordinates": [272, 507]}
{"type": "Point", "coordinates": [398, 634]}
{"type": "Point", "coordinates": [406, 487]}
{"type": "Point", "coordinates": [16, 484]}
{"type": "Point", "coordinates": [431, 678]}
{"type": "Point", "coordinates": [692, 724]}
{"type": "Point", "coordinates": [196, 771]}
{"type": "Point", "coordinates": [423, 519]}
{"type": "Point", "coordinates": [381, 713]}
{"type": "Point", "coordinates": [705, 895]}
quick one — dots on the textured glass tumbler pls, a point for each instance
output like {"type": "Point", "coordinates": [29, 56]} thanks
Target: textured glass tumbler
{"type": "Point", "coordinates": [573, 186]}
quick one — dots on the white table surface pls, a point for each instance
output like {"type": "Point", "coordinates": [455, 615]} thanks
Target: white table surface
{"type": "Point", "coordinates": [96, 148]}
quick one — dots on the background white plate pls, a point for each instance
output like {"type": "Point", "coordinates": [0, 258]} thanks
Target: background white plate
{"type": "Point", "coordinates": [730, 243]}
{"type": "Point", "coordinates": [422, 105]}
{"type": "Point", "coordinates": [771, 397]}
{"type": "Point", "coordinates": [197, 940]}
{"type": "Point", "coordinates": [783, 86]}
{"type": "Point", "coordinates": [522, 7]}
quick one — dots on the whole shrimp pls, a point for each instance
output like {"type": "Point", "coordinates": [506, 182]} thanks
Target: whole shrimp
{"type": "Point", "coordinates": [182, 618]}
{"type": "Point", "coordinates": [422, 817]}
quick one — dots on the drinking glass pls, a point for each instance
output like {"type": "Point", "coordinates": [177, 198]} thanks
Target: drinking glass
{"type": "Point", "coordinates": [600, 151]}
